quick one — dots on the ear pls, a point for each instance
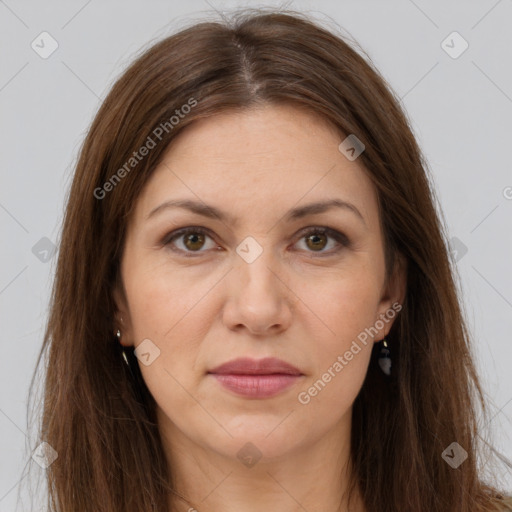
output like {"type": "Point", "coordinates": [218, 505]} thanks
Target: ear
{"type": "Point", "coordinates": [122, 316]}
{"type": "Point", "coordinates": [393, 296]}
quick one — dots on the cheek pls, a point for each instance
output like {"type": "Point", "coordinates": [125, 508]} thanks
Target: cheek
{"type": "Point", "coordinates": [167, 309]}
{"type": "Point", "coordinates": [175, 313]}
{"type": "Point", "coordinates": [347, 304]}
{"type": "Point", "coordinates": [342, 353]}
{"type": "Point", "coordinates": [162, 299]}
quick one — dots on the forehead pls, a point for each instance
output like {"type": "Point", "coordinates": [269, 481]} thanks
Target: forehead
{"type": "Point", "coordinates": [260, 160]}
{"type": "Point", "coordinates": [266, 134]}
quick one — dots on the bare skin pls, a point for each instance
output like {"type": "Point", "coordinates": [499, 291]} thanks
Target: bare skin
{"type": "Point", "coordinates": [303, 300]}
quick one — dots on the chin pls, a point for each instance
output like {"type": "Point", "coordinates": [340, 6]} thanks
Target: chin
{"type": "Point", "coordinates": [264, 438]}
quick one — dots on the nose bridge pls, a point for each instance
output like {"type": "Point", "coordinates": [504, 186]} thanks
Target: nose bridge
{"type": "Point", "coordinates": [259, 300]}
{"type": "Point", "coordinates": [257, 276]}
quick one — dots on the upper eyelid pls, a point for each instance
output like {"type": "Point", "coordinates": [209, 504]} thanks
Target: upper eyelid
{"type": "Point", "coordinates": [176, 233]}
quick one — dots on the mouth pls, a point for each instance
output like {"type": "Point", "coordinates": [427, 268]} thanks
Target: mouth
{"type": "Point", "coordinates": [254, 378]}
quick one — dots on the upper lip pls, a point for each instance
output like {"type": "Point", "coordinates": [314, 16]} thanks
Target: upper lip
{"type": "Point", "coordinates": [248, 366]}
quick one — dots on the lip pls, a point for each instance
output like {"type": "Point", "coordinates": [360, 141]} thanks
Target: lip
{"type": "Point", "coordinates": [256, 378]}
{"type": "Point", "coordinates": [248, 366]}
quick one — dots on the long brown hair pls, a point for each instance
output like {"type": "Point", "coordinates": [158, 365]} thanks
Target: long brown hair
{"type": "Point", "coordinates": [100, 419]}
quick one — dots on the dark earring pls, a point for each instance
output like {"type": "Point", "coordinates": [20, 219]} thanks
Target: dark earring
{"type": "Point", "coordinates": [385, 357]}
{"type": "Point", "coordinates": [123, 353]}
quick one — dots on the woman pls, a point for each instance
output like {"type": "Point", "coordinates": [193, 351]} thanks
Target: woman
{"type": "Point", "coordinates": [254, 307]}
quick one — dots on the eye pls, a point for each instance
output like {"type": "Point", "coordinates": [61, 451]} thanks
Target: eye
{"type": "Point", "coordinates": [191, 239]}
{"type": "Point", "coordinates": [317, 239]}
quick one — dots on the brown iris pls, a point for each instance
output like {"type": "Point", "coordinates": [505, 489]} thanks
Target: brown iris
{"type": "Point", "coordinates": [317, 239]}
{"type": "Point", "coordinates": [194, 241]}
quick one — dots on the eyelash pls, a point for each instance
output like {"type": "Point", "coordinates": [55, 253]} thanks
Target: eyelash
{"type": "Point", "coordinates": [340, 238]}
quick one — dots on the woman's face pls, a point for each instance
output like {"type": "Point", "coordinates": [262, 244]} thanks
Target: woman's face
{"type": "Point", "coordinates": [255, 282]}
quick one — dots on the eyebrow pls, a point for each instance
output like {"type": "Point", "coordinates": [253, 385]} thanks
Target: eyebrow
{"type": "Point", "coordinates": [296, 213]}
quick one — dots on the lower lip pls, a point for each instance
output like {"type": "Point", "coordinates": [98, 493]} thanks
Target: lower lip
{"type": "Point", "coordinates": [257, 386]}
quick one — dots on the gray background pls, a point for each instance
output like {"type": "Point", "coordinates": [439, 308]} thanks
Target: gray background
{"type": "Point", "coordinates": [460, 109]}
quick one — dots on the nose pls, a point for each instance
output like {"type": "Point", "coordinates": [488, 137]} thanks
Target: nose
{"type": "Point", "coordinates": [259, 299]}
